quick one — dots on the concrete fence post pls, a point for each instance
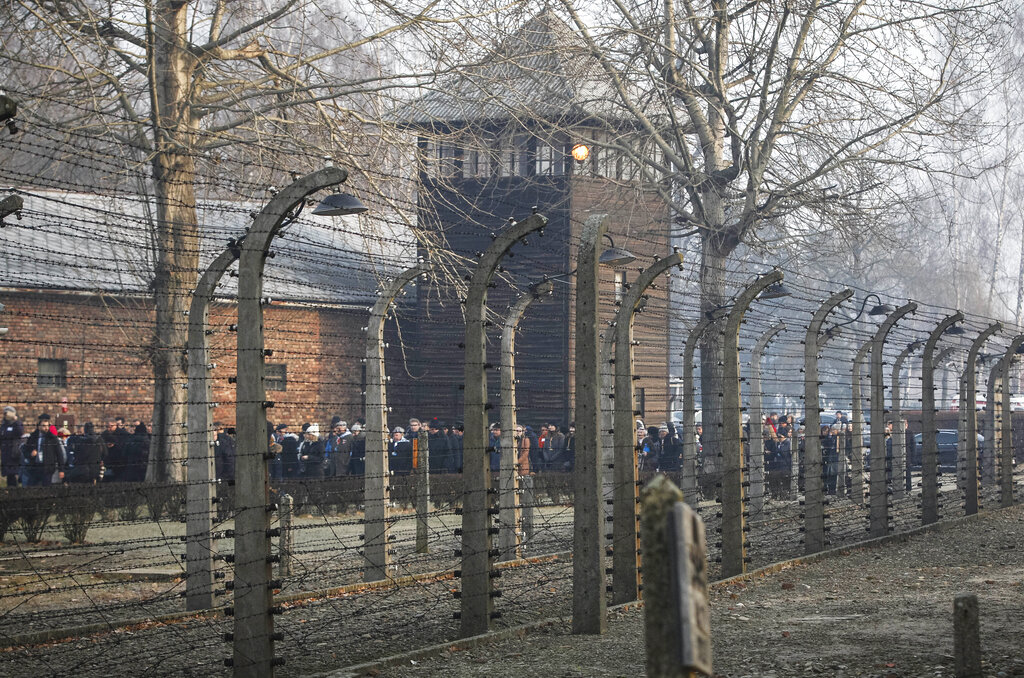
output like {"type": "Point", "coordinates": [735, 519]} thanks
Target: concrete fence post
{"type": "Point", "coordinates": [377, 475]}
{"type": "Point", "coordinates": [200, 488]}
{"type": "Point", "coordinates": [421, 479]}
{"type": "Point", "coordinates": [253, 636]}
{"type": "Point", "coordinates": [878, 486]}
{"type": "Point", "coordinates": [734, 543]}
{"type": "Point", "coordinates": [814, 496]}
{"type": "Point", "coordinates": [929, 446]}
{"type": "Point", "coordinates": [691, 463]}
{"type": "Point", "coordinates": [510, 512]}
{"type": "Point", "coordinates": [625, 560]}
{"type": "Point", "coordinates": [1006, 437]}
{"type": "Point", "coordinates": [967, 405]}
{"type": "Point", "coordinates": [477, 602]}
{"type": "Point", "coordinates": [286, 541]}
{"type": "Point", "coordinates": [756, 420]}
{"type": "Point", "coordinates": [857, 420]}
{"type": "Point", "coordinates": [588, 587]}
{"type": "Point", "coordinates": [991, 430]}
{"type": "Point", "coordinates": [900, 463]}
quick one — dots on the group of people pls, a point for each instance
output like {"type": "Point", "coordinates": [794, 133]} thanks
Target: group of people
{"type": "Point", "coordinates": [341, 451]}
{"type": "Point", "coordinates": [47, 455]}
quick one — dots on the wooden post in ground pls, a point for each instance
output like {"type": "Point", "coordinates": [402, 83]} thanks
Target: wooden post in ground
{"type": "Point", "coordinates": [966, 637]}
{"type": "Point", "coordinates": [286, 541]}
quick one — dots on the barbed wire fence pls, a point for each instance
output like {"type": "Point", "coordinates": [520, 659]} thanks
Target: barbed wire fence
{"type": "Point", "coordinates": [96, 575]}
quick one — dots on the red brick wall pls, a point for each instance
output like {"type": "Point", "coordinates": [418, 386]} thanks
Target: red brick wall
{"type": "Point", "coordinates": [104, 340]}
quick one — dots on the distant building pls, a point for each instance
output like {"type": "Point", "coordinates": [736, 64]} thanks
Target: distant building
{"type": "Point", "coordinates": [495, 143]}
{"type": "Point", "coordinates": [74, 276]}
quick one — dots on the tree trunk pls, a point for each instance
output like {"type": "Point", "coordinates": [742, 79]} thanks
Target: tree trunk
{"type": "Point", "coordinates": [177, 256]}
{"type": "Point", "coordinates": [712, 297]}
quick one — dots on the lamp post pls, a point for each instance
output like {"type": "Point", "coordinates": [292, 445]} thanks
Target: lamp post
{"type": "Point", "coordinates": [900, 463]}
{"type": "Point", "coordinates": [200, 489]}
{"type": "Point", "coordinates": [1006, 439]}
{"type": "Point", "coordinates": [376, 492]}
{"type": "Point", "coordinates": [814, 500]}
{"type": "Point", "coordinates": [477, 556]}
{"type": "Point", "coordinates": [254, 625]}
{"type": "Point", "coordinates": [625, 564]}
{"type": "Point", "coordinates": [929, 446]}
{"type": "Point", "coordinates": [734, 560]}
{"type": "Point", "coordinates": [967, 404]}
{"type": "Point", "coordinates": [756, 440]}
{"type": "Point", "coordinates": [508, 476]}
{"type": "Point", "coordinates": [878, 488]}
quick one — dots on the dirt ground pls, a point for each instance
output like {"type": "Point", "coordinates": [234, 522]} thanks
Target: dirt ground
{"type": "Point", "coordinates": [882, 611]}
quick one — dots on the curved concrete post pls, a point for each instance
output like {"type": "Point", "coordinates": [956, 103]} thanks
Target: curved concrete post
{"type": "Point", "coordinates": [625, 564]}
{"type": "Point", "coordinates": [900, 463]}
{"type": "Point", "coordinates": [200, 488]}
{"type": "Point", "coordinates": [756, 442]}
{"type": "Point", "coordinates": [734, 552]}
{"type": "Point", "coordinates": [690, 461]}
{"type": "Point", "coordinates": [814, 496]}
{"type": "Point", "coordinates": [588, 587]}
{"type": "Point", "coordinates": [254, 623]}
{"type": "Point", "coordinates": [376, 479]}
{"type": "Point", "coordinates": [508, 477]}
{"type": "Point", "coordinates": [477, 556]}
{"type": "Point", "coordinates": [929, 446]}
{"type": "Point", "coordinates": [991, 430]}
{"type": "Point", "coordinates": [857, 420]}
{"type": "Point", "coordinates": [879, 492]}
{"type": "Point", "coordinates": [967, 404]}
{"type": "Point", "coordinates": [1006, 439]}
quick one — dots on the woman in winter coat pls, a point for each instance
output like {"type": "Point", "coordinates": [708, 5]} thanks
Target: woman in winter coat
{"type": "Point", "coordinates": [311, 453]}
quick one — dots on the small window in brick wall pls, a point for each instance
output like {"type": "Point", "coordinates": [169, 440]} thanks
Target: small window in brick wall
{"type": "Point", "coordinates": [52, 373]}
{"type": "Point", "coordinates": [276, 377]}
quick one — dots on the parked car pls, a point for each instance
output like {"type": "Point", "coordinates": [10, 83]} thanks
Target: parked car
{"type": "Point", "coordinates": [946, 440]}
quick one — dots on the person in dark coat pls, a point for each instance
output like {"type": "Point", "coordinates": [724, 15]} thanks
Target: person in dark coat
{"type": "Point", "coordinates": [455, 441]}
{"type": "Point", "coordinates": [41, 455]}
{"type": "Point", "coordinates": [89, 452]}
{"type": "Point", "coordinates": [357, 460]}
{"type": "Point", "coordinates": [400, 452]}
{"type": "Point", "coordinates": [224, 454]}
{"type": "Point", "coordinates": [11, 433]}
{"type": "Point", "coordinates": [671, 450]}
{"type": "Point", "coordinates": [311, 453]}
{"type": "Point", "coordinates": [554, 446]}
{"type": "Point", "coordinates": [569, 449]}
{"type": "Point", "coordinates": [830, 458]}
{"type": "Point", "coordinates": [440, 449]}
{"type": "Point", "coordinates": [289, 443]}
{"type": "Point", "coordinates": [136, 455]}
{"type": "Point", "coordinates": [650, 451]}
{"type": "Point", "coordinates": [114, 457]}
{"type": "Point", "coordinates": [494, 447]}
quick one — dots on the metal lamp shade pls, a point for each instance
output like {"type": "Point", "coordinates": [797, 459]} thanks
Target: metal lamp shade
{"type": "Point", "coordinates": [339, 204]}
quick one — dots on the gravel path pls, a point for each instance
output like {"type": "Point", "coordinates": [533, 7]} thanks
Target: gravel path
{"type": "Point", "coordinates": [883, 611]}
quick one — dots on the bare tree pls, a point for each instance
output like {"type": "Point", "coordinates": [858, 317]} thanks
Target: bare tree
{"type": "Point", "coordinates": [169, 91]}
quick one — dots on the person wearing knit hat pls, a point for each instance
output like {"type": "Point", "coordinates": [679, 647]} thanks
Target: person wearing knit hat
{"type": "Point", "coordinates": [311, 453]}
{"type": "Point", "coordinates": [11, 432]}
{"type": "Point", "coordinates": [399, 452]}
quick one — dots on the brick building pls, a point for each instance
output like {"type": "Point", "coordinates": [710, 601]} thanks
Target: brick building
{"type": "Point", "coordinates": [74, 274]}
{"type": "Point", "coordinates": [495, 143]}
